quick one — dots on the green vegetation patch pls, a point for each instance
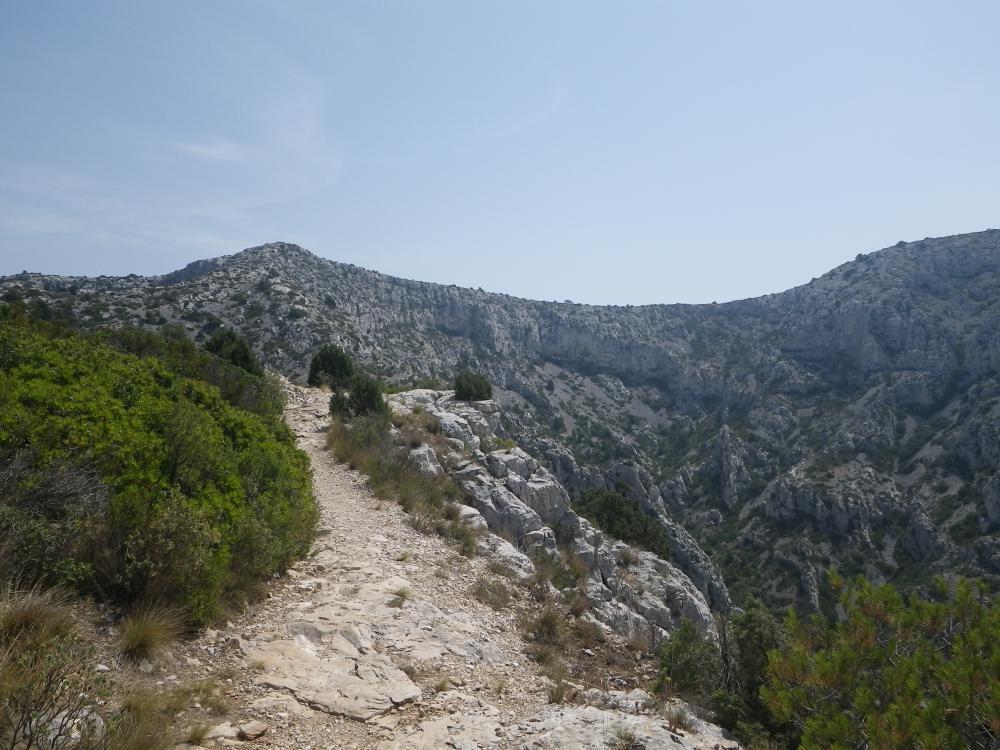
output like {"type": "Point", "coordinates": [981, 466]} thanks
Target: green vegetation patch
{"type": "Point", "coordinates": [614, 513]}
{"type": "Point", "coordinates": [122, 478]}
{"type": "Point", "coordinates": [471, 386]}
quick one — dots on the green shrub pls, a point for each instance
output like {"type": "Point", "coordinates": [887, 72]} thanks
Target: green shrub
{"type": "Point", "coordinates": [331, 366]}
{"type": "Point", "coordinates": [471, 386]}
{"type": "Point", "coordinates": [124, 479]}
{"type": "Point", "coordinates": [689, 663]}
{"type": "Point", "coordinates": [340, 405]}
{"type": "Point", "coordinates": [893, 672]}
{"type": "Point", "coordinates": [172, 348]}
{"type": "Point", "coordinates": [366, 396]}
{"type": "Point", "coordinates": [617, 515]}
{"type": "Point", "coordinates": [228, 345]}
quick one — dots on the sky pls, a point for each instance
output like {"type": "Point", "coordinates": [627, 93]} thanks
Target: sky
{"type": "Point", "coordinates": [612, 153]}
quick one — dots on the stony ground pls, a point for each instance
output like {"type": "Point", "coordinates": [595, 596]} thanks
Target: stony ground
{"type": "Point", "coordinates": [375, 641]}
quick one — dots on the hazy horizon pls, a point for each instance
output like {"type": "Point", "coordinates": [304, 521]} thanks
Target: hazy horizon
{"type": "Point", "coordinates": [653, 153]}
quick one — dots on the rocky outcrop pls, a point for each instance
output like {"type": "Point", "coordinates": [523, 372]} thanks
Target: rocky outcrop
{"type": "Point", "coordinates": [523, 502]}
{"type": "Point", "coordinates": [855, 503]}
{"type": "Point", "coordinates": [729, 466]}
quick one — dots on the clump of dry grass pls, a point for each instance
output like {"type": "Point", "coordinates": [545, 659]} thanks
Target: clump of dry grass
{"type": "Point", "coordinates": [677, 717]}
{"type": "Point", "coordinates": [622, 738]}
{"type": "Point", "coordinates": [34, 615]}
{"type": "Point", "coordinates": [641, 643]}
{"type": "Point", "coordinates": [150, 628]}
{"type": "Point", "coordinates": [628, 557]}
{"type": "Point", "coordinates": [547, 627]}
{"type": "Point", "coordinates": [205, 694]}
{"type": "Point", "coordinates": [491, 592]}
{"type": "Point", "coordinates": [588, 632]}
{"type": "Point", "coordinates": [400, 597]}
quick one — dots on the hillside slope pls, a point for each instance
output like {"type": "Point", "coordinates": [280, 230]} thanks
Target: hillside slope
{"type": "Point", "coordinates": [854, 420]}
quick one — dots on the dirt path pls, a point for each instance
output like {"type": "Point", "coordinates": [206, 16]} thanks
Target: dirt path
{"type": "Point", "coordinates": [376, 641]}
{"type": "Point", "coordinates": [373, 633]}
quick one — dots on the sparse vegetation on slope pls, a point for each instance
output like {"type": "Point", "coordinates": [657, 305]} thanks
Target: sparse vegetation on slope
{"type": "Point", "coordinates": [50, 695]}
{"type": "Point", "coordinates": [613, 512]}
{"type": "Point", "coordinates": [365, 443]}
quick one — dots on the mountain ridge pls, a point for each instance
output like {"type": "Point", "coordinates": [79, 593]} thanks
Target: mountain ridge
{"type": "Point", "coordinates": [850, 421]}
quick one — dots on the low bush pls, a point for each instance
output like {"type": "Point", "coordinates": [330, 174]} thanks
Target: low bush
{"type": "Point", "coordinates": [470, 386]}
{"type": "Point", "coordinates": [689, 663]}
{"type": "Point", "coordinates": [366, 396]}
{"type": "Point", "coordinates": [228, 345]}
{"type": "Point", "coordinates": [331, 366]}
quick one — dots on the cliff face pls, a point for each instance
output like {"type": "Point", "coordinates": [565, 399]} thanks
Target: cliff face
{"type": "Point", "coordinates": [854, 420]}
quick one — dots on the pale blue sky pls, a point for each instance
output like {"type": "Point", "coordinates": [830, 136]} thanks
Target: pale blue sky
{"type": "Point", "coordinates": [602, 152]}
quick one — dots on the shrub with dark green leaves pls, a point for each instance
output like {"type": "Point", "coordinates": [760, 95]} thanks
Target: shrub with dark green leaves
{"type": "Point", "coordinates": [366, 396]}
{"type": "Point", "coordinates": [228, 345]}
{"type": "Point", "coordinates": [340, 405]}
{"type": "Point", "coordinates": [174, 350]}
{"type": "Point", "coordinates": [689, 663]}
{"type": "Point", "coordinates": [616, 514]}
{"type": "Point", "coordinates": [894, 672]}
{"type": "Point", "coordinates": [331, 366]}
{"type": "Point", "coordinates": [471, 386]}
{"type": "Point", "coordinates": [122, 478]}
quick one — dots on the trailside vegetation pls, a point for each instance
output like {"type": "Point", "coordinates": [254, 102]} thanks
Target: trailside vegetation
{"type": "Point", "coordinates": [471, 386]}
{"type": "Point", "coordinates": [227, 345]}
{"type": "Point", "coordinates": [360, 436]}
{"type": "Point", "coordinates": [331, 366]}
{"type": "Point", "coordinates": [170, 346]}
{"type": "Point", "coordinates": [123, 478]}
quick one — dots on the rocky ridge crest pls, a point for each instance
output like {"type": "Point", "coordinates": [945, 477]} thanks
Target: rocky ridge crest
{"type": "Point", "coordinates": [850, 421]}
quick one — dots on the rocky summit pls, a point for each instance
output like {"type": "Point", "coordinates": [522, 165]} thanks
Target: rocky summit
{"type": "Point", "coordinates": [853, 421]}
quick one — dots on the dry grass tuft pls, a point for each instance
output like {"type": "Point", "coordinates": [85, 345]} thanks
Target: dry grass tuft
{"type": "Point", "coordinates": [149, 629]}
{"type": "Point", "coordinates": [491, 592]}
{"type": "Point", "coordinates": [34, 615]}
{"type": "Point", "coordinates": [677, 717]}
{"type": "Point", "coordinates": [399, 597]}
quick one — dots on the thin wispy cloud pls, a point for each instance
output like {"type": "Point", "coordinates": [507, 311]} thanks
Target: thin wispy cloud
{"type": "Point", "coordinates": [39, 203]}
{"type": "Point", "coordinates": [528, 120]}
{"type": "Point", "coordinates": [215, 149]}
